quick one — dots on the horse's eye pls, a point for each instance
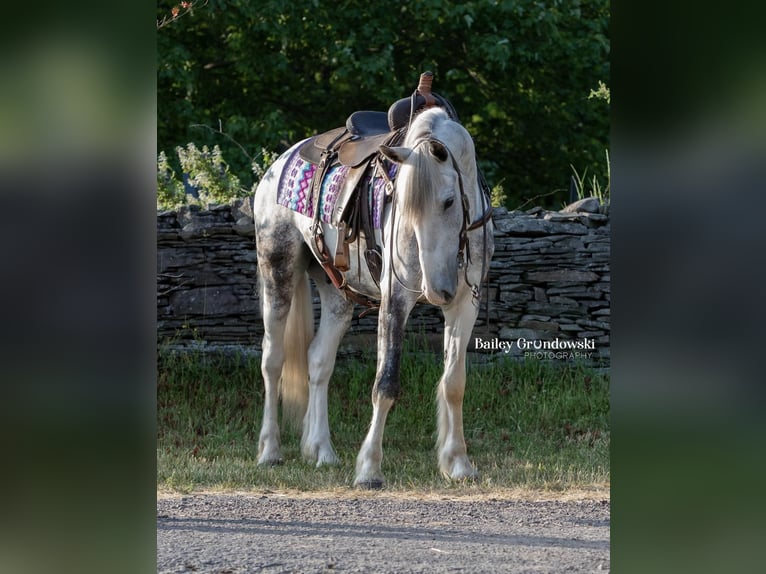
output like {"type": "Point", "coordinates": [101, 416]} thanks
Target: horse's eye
{"type": "Point", "coordinates": [448, 203]}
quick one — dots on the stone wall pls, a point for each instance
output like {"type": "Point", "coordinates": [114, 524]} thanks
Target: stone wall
{"type": "Point", "coordinates": [549, 279]}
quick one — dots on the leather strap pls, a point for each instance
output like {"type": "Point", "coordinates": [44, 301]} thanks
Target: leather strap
{"type": "Point", "coordinates": [337, 277]}
{"type": "Point", "coordinates": [482, 221]}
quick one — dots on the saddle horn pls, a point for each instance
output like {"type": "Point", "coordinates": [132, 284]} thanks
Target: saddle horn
{"type": "Point", "coordinates": [424, 89]}
{"type": "Point", "coordinates": [401, 112]}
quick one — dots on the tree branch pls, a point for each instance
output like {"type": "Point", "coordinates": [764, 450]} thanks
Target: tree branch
{"type": "Point", "coordinates": [178, 11]}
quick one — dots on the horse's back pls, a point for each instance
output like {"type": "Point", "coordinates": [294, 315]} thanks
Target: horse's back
{"type": "Point", "coordinates": [279, 241]}
{"type": "Point", "coordinates": [265, 206]}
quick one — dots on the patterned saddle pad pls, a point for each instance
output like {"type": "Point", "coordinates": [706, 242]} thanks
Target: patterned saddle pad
{"type": "Point", "coordinates": [295, 189]}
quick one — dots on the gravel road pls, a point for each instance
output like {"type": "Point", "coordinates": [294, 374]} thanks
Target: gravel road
{"type": "Point", "coordinates": [273, 533]}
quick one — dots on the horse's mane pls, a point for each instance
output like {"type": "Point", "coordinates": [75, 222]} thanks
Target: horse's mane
{"type": "Point", "coordinates": [420, 173]}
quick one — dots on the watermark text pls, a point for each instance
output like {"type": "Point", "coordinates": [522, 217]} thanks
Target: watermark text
{"type": "Point", "coordinates": [558, 349]}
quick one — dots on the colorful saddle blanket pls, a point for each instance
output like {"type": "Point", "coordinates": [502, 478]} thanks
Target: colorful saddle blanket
{"type": "Point", "coordinates": [295, 189]}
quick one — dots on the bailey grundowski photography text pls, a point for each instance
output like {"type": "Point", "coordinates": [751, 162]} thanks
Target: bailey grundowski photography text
{"type": "Point", "coordinates": [561, 349]}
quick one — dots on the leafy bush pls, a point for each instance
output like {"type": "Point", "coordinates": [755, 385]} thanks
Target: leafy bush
{"type": "Point", "coordinates": [261, 166]}
{"type": "Point", "coordinates": [498, 196]}
{"type": "Point", "coordinates": [170, 191]}
{"type": "Point", "coordinates": [602, 93]}
{"type": "Point", "coordinates": [270, 73]}
{"type": "Point", "coordinates": [208, 178]}
{"type": "Point", "coordinates": [209, 174]}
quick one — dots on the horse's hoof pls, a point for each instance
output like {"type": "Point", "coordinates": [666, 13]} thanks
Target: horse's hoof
{"type": "Point", "coordinates": [320, 457]}
{"type": "Point", "coordinates": [372, 484]}
{"type": "Point", "coordinates": [467, 478]}
{"type": "Point", "coordinates": [328, 461]}
{"type": "Point", "coordinates": [271, 462]}
{"type": "Point", "coordinates": [462, 472]}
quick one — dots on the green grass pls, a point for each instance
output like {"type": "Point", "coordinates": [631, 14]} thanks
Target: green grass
{"type": "Point", "coordinates": [527, 424]}
{"type": "Point", "coordinates": [592, 187]}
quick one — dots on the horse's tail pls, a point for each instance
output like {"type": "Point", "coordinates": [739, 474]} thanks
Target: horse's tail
{"type": "Point", "coordinates": [299, 332]}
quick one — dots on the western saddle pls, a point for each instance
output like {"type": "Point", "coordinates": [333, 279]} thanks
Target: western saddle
{"type": "Point", "coordinates": [356, 146]}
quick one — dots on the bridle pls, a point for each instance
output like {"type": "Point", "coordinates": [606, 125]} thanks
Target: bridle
{"type": "Point", "coordinates": [464, 251]}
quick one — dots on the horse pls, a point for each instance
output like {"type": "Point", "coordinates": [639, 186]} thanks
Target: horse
{"type": "Point", "coordinates": [437, 242]}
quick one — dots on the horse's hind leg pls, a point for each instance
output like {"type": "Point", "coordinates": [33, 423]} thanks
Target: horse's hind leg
{"type": "Point", "coordinates": [279, 266]}
{"type": "Point", "coordinates": [337, 311]}
{"type": "Point", "coordinates": [453, 458]}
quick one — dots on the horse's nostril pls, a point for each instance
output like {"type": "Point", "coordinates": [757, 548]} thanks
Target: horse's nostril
{"type": "Point", "coordinates": [447, 295]}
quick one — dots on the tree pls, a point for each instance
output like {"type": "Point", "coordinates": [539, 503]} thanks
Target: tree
{"type": "Point", "coordinates": [519, 73]}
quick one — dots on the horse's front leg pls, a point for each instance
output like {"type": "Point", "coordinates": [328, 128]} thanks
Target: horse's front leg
{"type": "Point", "coordinates": [391, 324]}
{"type": "Point", "coordinates": [459, 319]}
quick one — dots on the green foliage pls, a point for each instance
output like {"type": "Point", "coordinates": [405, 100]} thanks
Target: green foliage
{"type": "Point", "coordinates": [269, 73]}
{"type": "Point", "coordinates": [498, 196]}
{"type": "Point", "coordinates": [207, 172]}
{"type": "Point", "coordinates": [602, 93]}
{"type": "Point", "coordinates": [170, 191]}
{"type": "Point", "coordinates": [260, 166]}
{"type": "Point", "coordinates": [592, 187]}
{"type": "Point", "coordinates": [527, 424]}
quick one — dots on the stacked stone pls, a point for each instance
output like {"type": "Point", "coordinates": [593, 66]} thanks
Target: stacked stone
{"type": "Point", "coordinates": [206, 263]}
{"type": "Point", "coordinates": [549, 279]}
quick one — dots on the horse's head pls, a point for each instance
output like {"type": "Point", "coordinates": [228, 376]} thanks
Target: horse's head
{"type": "Point", "coordinates": [435, 184]}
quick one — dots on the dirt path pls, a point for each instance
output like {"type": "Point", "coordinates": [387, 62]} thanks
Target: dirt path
{"type": "Point", "coordinates": [273, 533]}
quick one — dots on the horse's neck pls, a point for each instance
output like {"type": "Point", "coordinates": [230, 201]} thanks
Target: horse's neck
{"type": "Point", "coordinates": [477, 203]}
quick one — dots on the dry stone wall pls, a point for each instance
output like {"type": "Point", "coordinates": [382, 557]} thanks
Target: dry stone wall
{"type": "Point", "coordinates": [548, 290]}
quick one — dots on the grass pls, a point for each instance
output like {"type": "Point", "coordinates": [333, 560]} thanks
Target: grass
{"type": "Point", "coordinates": [592, 187]}
{"type": "Point", "coordinates": [530, 424]}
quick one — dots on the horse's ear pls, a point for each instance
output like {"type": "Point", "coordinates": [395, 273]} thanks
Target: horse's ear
{"type": "Point", "coordinates": [396, 154]}
{"type": "Point", "coordinates": [438, 150]}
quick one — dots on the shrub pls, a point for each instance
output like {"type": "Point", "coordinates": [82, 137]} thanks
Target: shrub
{"type": "Point", "coordinates": [170, 191]}
{"type": "Point", "coordinates": [209, 174]}
{"type": "Point", "coordinates": [207, 178]}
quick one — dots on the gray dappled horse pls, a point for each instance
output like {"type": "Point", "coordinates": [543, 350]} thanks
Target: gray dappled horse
{"type": "Point", "coordinates": [436, 235]}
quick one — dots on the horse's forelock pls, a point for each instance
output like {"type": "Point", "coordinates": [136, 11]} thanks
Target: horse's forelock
{"type": "Point", "coordinates": [419, 186]}
{"type": "Point", "coordinates": [419, 189]}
